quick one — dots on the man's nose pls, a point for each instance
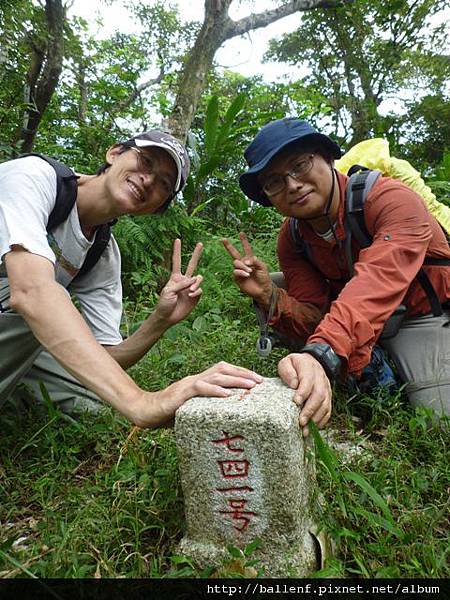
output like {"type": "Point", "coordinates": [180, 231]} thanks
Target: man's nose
{"type": "Point", "coordinates": [148, 179]}
{"type": "Point", "coordinates": [292, 184]}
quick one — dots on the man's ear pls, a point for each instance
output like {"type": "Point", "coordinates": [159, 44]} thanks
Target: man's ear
{"type": "Point", "coordinates": [112, 153]}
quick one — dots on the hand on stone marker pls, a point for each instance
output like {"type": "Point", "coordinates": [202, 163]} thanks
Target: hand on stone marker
{"type": "Point", "coordinates": [250, 274]}
{"type": "Point", "coordinates": [158, 408]}
{"type": "Point", "coordinates": [182, 292]}
{"type": "Point", "coordinates": [303, 373]}
{"type": "Point", "coordinates": [215, 380]}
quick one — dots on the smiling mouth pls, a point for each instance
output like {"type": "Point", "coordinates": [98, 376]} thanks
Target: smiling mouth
{"type": "Point", "coordinates": [135, 191]}
{"type": "Point", "coordinates": [301, 199]}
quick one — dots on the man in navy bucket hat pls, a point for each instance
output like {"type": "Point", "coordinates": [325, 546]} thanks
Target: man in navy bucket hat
{"type": "Point", "coordinates": [51, 218]}
{"type": "Point", "coordinates": [333, 310]}
{"type": "Point", "coordinates": [272, 139]}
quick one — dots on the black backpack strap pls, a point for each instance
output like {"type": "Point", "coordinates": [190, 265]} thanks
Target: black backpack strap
{"type": "Point", "coordinates": [66, 196]}
{"type": "Point", "coordinates": [301, 245]}
{"type": "Point", "coordinates": [356, 169]}
{"type": "Point", "coordinates": [66, 191]}
{"type": "Point", "coordinates": [358, 187]}
{"type": "Point", "coordinates": [429, 290]}
{"type": "Point", "coordinates": [437, 261]}
{"type": "Point", "coordinates": [295, 235]}
{"type": "Point", "coordinates": [102, 237]}
{"type": "Point", "coordinates": [426, 284]}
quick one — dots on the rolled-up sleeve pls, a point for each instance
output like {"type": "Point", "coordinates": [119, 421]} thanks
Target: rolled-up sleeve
{"type": "Point", "coordinates": [27, 197]}
{"type": "Point", "coordinates": [298, 310]}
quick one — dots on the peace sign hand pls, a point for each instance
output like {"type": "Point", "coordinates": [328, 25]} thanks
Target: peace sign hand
{"type": "Point", "coordinates": [182, 292]}
{"type": "Point", "coordinates": [250, 274]}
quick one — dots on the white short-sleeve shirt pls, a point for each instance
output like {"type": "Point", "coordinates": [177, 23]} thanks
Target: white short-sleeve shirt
{"type": "Point", "coordinates": [27, 197]}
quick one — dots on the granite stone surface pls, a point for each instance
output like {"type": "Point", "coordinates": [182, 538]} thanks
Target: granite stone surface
{"type": "Point", "coordinates": [247, 474]}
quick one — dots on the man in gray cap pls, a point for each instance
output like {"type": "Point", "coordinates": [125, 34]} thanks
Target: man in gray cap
{"type": "Point", "coordinates": [55, 240]}
{"type": "Point", "coordinates": [338, 316]}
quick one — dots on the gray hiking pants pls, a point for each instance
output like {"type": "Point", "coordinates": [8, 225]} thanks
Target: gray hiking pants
{"type": "Point", "coordinates": [24, 365]}
{"type": "Point", "coordinates": [421, 352]}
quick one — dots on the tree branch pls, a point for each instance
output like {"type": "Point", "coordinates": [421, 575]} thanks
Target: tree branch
{"type": "Point", "coordinates": [116, 110]}
{"type": "Point", "coordinates": [138, 91]}
{"type": "Point", "coordinates": [216, 28]}
{"type": "Point", "coordinates": [256, 21]}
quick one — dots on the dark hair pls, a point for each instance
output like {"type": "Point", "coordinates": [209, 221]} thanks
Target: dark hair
{"type": "Point", "coordinates": [105, 166]}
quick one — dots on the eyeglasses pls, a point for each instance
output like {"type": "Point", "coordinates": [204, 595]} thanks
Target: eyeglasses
{"type": "Point", "coordinates": [276, 183]}
{"type": "Point", "coordinates": [147, 164]}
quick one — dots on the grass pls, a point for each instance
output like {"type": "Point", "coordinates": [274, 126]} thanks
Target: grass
{"type": "Point", "coordinates": [86, 499]}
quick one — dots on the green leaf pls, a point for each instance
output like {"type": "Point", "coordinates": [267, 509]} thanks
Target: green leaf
{"type": "Point", "coordinates": [201, 206]}
{"type": "Point", "coordinates": [51, 407]}
{"type": "Point", "coordinates": [207, 572]}
{"type": "Point", "coordinates": [36, 435]}
{"type": "Point", "coordinates": [208, 167]}
{"type": "Point", "coordinates": [362, 566]}
{"type": "Point", "coordinates": [177, 359]}
{"type": "Point", "coordinates": [371, 492]}
{"type": "Point", "coordinates": [211, 123]}
{"type": "Point", "coordinates": [325, 453]}
{"type": "Point", "coordinates": [251, 547]}
{"type": "Point", "coordinates": [19, 565]}
{"type": "Point", "coordinates": [375, 520]}
{"type": "Point", "coordinates": [233, 110]}
{"type": "Point", "coordinates": [195, 155]}
{"type": "Point", "coordinates": [6, 545]}
{"type": "Point", "coordinates": [235, 552]}
{"type": "Point", "coordinates": [179, 559]}
{"type": "Point", "coordinates": [189, 190]}
{"type": "Point", "coordinates": [347, 533]}
{"type": "Point", "coordinates": [199, 324]}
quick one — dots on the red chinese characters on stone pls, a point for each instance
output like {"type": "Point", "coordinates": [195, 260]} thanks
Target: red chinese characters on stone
{"type": "Point", "coordinates": [227, 440]}
{"type": "Point", "coordinates": [236, 488]}
{"type": "Point", "coordinates": [238, 514]}
{"type": "Point", "coordinates": [233, 468]}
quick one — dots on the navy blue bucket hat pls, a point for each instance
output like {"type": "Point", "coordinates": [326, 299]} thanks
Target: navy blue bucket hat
{"type": "Point", "coordinates": [269, 141]}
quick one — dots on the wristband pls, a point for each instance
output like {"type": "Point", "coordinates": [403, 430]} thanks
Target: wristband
{"type": "Point", "coordinates": [327, 357]}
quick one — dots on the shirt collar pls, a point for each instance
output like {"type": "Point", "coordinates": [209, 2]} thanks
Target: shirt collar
{"type": "Point", "coordinates": [308, 232]}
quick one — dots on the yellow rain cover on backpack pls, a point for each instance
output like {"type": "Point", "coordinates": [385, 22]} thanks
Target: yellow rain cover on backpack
{"type": "Point", "coordinates": [374, 154]}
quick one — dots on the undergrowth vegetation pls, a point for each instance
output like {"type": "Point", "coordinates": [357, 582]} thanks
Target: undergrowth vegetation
{"type": "Point", "coordinates": [96, 498]}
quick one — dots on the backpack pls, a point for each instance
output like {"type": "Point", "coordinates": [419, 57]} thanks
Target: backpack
{"type": "Point", "coordinates": [66, 196]}
{"type": "Point", "coordinates": [359, 185]}
{"type": "Point", "coordinates": [375, 154]}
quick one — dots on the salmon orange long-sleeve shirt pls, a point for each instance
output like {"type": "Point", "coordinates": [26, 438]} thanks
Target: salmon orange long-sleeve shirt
{"type": "Point", "coordinates": [323, 304]}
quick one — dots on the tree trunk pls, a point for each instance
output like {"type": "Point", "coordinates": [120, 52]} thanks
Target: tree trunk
{"type": "Point", "coordinates": [198, 64]}
{"type": "Point", "coordinates": [217, 28]}
{"type": "Point", "coordinates": [44, 72]}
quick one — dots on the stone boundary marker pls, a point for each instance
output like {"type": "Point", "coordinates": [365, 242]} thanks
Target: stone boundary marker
{"type": "Point", "coordinates": [247, 473]}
